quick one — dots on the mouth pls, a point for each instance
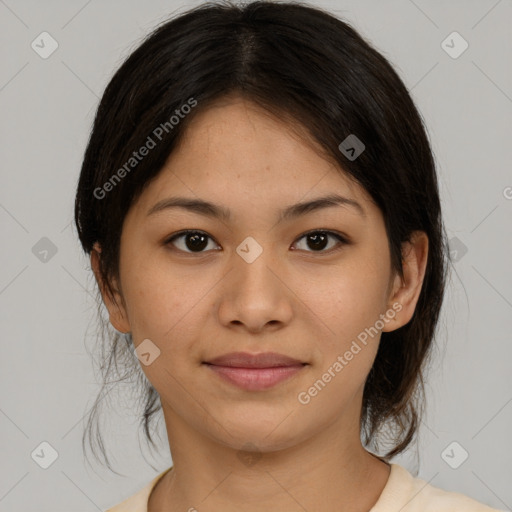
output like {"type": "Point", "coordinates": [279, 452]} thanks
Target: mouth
{"type": "Point", "coordinates": [255, 372]}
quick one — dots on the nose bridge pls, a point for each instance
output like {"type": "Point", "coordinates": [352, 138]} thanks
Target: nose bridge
{"type": "Point", "coordinates": [254, 259]}
{"type": "Point", "coordinates": [263, 252]}
{"type": "Point", "coordinates": [250, 250]}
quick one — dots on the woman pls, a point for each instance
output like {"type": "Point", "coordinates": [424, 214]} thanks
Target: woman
{"type": "Point", "coordinates": [260, 205]}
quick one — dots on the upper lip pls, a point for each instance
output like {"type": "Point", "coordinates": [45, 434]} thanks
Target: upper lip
{"type": "Point", "coordinates": [247, 360]}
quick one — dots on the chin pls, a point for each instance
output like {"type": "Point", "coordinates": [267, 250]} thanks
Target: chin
{"type": "Point", "coordinates": [264, 435]}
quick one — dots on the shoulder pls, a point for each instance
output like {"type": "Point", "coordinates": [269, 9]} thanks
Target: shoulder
{"type": "Point", "coordinates": [409, 494]}
{"type": "Point", "coordinates": [138, 502]}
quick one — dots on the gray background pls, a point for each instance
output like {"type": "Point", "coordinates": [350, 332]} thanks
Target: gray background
{"type": "Point", "coordinates": [47, 107]}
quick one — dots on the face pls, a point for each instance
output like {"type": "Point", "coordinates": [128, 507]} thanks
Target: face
{"type": "Point", "coordinates": [304, 284]}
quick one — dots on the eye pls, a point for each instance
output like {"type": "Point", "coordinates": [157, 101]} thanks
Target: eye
{"type": "Point", "coordinates": [319, 239]}
{"type": "Point", "coordinates": [197, 241]}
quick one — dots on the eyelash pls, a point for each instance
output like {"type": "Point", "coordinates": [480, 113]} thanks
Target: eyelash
{"type": "Point", "coordinates": [341, 239]}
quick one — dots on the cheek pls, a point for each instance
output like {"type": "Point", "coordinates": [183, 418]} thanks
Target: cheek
{"type": "Point", "coordinates": [350, 305]}
{"type": "Point", "coordinates": [158, 300]}
{"type": "Point", "coordinates": [164, 310]}
{"type": "Point", "coordinates": [349, 300]}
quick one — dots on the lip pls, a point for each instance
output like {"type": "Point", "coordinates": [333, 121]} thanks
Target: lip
{"type": "Point", "coordinates": [255, 372]}
{"type": "Point", "coordinates": [248, 360]}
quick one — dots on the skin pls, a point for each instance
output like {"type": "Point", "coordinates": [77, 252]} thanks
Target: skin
{"type": "Point", "coordinates": [305, 302]}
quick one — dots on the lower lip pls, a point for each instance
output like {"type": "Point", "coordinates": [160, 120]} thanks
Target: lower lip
{"type": "Point", "coordinates": [255, 379]}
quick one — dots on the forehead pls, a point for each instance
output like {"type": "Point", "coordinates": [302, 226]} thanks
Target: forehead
{"type": "Point", "coordinates": [239, 135]}
{"type": "Point", "coordinates": [236, 153]}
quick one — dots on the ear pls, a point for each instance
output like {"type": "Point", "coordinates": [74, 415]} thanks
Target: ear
{"type": "Point", "coordinates": [405, 293]}
{"type": "Point", "coordinates": [117, 313]}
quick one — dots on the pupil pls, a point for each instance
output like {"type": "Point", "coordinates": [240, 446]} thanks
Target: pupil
{"type": "Point", "coordinates": [198, 241]}
{"type": "Point", "coordinates": [316, 238]}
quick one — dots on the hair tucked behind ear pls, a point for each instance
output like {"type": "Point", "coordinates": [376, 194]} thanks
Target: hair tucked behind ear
{"type": "Point", "coordinates": [305, 65]}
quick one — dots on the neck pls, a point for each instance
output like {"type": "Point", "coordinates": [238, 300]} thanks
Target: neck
{"type": "Point", "coordinates": [331, 471]}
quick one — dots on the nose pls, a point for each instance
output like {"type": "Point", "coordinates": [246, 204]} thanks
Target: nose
{"type": "Point", "coordinates": [254, 294]}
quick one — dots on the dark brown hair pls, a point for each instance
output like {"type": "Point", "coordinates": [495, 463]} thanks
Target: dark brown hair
{"type": "Point", "coordinates": [305, 65]}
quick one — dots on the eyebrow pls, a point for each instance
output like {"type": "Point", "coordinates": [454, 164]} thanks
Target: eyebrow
{"type": "Point", "coordinates": [212, 210]}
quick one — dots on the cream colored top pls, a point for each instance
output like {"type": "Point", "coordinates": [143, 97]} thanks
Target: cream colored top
{"type": "Point", "coordinates": [402, 492]}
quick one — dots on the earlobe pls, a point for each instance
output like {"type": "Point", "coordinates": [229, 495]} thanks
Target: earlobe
{"type": "Point", "coordinates": [406, 291]}
{"type": "Point", "coordinates": [116, 311]}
